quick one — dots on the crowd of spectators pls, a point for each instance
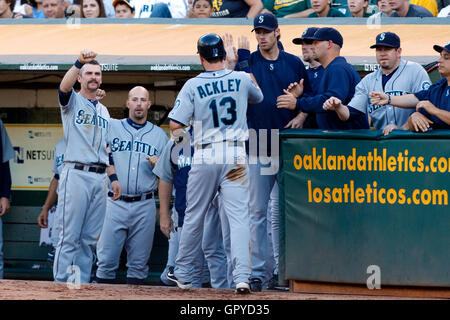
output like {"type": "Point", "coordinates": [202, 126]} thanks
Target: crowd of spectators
{"type": "Point", "coordinates": [46, 9]}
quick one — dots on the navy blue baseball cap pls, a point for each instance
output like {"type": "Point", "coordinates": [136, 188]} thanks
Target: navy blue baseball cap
{"type": "Point", "coordinates": [328, 34]}
{"type": "Point", "coordinates": [265, 21]}
{"type": "Point", "coordinates": [387, 39]}
{"type": "Point", "coordinates": [308, 34]}
{"type": "Point", "coordinates": [439, 48]}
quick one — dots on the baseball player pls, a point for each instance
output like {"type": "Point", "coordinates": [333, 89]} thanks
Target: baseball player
{"type": "Point", "coordinates": [395, 77]}
{"type": "Point", "coordinates": [48, 216]}
{"type": "Point", "coordinates": [432, 104]}
{"type": "Point", "coordinates": [314, 72]}
{"type": "Point", "coordinates": [339, 80]}
{"type": "Point", "coordinates": [82, 184]}
{"type": "Point", "coordinates": [274, 69]}
{"type": "Point", "coordinates": [173, 169]}
{"type": "Point", "coordinates": [135, 145]}
{"type": "Point", "coordinates": [216, 100]}
{"type": "Point", "coordinates": [6, 153]}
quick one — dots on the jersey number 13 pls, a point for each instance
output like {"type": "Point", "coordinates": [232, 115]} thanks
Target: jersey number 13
{"type": "Point", "coordinates": [228, 102]}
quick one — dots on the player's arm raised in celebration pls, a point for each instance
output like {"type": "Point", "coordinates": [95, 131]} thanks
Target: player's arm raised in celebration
{"type": "Point", "coordinates": [70, 78]}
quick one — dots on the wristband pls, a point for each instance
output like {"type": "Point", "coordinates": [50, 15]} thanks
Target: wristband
{"type": "Point", "coordinates": [78, 64]}
{"type": "Point", "coordinates": [113, 177]}
{"type": "Point", "coordinates": [389, 99]}
{"type": "Point", "coordinates": [243, 59]}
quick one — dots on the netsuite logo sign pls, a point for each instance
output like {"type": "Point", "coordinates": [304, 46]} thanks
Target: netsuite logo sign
{"type": "Point", "coordinates": [18, 155]}
{"type": "Point", "coordinates": [39, 134]}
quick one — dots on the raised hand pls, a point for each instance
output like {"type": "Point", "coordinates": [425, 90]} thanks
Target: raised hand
{"type": "Point", "coordinates": [243, 43]}
{"type": "Point", "coordinates": [86, 56]}
{"type": "Point", "coordinates": [296, 88]}
{"type": "Point", "coordinates": [230, 49]}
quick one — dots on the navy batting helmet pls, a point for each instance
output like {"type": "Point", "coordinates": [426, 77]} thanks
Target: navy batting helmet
{"type": "Point", "coordinates": [210, 46]}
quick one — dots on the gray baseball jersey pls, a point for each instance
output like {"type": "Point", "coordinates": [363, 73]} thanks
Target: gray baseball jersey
{"type": "Point", "coordinates": [53, 213]}
{"type": "Point", "coordinates": [81, 193]}
{"type": "Point", "coordinates": [129, 148]}
{"type": "Point", "coordinates": [7, 149]}
{"type": "Point", "coordinates": [409, 77]}
{"type": "Point", "coordinates": [218, 99]}
{"type": "Point", "coordinates": [130, 224]}
{"type": "Point", "coordinates": [85, 128]}
{"type": "Point", "coordinates": [58, 162]}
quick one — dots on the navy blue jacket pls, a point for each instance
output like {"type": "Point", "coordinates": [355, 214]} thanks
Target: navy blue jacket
{"type": "Point", "coordinates": [439, 95]}
{"type": "Point", "coordinates": [338, 80]}
{"type": "Point", "coordinates": [273, 77]}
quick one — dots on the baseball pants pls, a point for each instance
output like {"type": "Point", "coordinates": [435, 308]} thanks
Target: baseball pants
{"type": "Point", "coordinates": [129, 224]}
{"type": "Point", "coordinates": [261, 185]}
{"type": "Point", "coordinates": [274, 215]}
{"type": "Point", "coordinates": [212, 246]}
{"type": "Point", "coordinates": [234, 196]}
{"type": "Point", "coordinates": [82, 202]}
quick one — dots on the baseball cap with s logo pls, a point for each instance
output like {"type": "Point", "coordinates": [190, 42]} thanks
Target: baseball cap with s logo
{"type": "Point", "coordinates": [265, 21]}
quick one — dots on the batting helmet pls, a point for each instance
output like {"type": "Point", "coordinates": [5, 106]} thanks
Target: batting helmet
{"type": "Point", "coordinates": [210, 46]}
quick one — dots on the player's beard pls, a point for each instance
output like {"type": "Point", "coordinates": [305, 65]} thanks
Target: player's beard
{"type": "Point", "coordinates": [140, 115]}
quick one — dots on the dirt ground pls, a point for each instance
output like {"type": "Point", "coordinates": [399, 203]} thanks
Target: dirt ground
{"type": "Point", "coordinates": [46, 290]}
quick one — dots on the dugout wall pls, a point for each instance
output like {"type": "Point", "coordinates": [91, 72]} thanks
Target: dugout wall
{"type": "Point", "coordinates": [360, 208]}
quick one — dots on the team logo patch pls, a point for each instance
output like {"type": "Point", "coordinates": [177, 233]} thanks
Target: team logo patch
{"type": "Point", "coordinates": [271, 67]}
{"type": "Point", "coordinates": [261, 19]}
{"type": "Point", "coordinates": [425, 85]}
{"type": "Point", "coordinates": [382, 36]}
{"type": "Point", "coordinates": [304, 33]}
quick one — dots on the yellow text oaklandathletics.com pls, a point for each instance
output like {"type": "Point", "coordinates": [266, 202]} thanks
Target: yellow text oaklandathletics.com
{"type": "Point", "coordinates": [372, 161]}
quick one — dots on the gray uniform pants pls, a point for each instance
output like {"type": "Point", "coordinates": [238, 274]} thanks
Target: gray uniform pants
{"type": "Point", "coordinates": [131, 225]}
{"type": "Point", "coordinates": [82, 201]}
{"type": "Point", "coordinates": [203, 183]}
